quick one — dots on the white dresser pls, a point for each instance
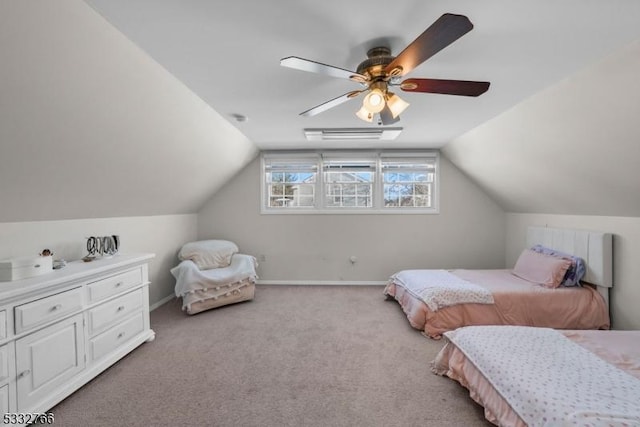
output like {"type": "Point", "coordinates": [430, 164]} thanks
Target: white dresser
{"type": "Point", "coordinates": [61, 329]}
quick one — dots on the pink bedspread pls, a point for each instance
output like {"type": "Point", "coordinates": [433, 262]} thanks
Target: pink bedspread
{"type": "Point", "coordinates": [619, 348]}
{"type": "Point", "coordinates": [517, 302]}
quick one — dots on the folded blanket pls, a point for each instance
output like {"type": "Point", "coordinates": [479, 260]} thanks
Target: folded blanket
{"type": "Point", "coordinates": [190, 278]}
{"type": "Point", "coordinates": [439, 288]}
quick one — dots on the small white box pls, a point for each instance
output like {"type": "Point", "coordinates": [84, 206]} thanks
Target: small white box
{"type": "Point", "coordinates": [25, 267]}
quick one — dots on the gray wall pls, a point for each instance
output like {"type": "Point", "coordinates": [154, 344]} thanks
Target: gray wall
{"type": "Point", "coordinates": [625, 294]}
{"type": "Point", "coordinates": [162, 235]}
{"type": "Point", "coordinates": [468, 233]}
{"type": "Point", "coordinates": [572, 149]}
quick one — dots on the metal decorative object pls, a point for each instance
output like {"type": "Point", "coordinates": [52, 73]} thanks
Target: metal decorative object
{"type": "Point", "coordinates": [102, 246]}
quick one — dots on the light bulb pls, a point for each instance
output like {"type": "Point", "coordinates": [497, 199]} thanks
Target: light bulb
{"type": "Point", "coordinates": [387, 118]}
{"type": "Point", "coordinates": [374, 101]}
{"type": "Point", "coordinates": [365, 114]}
{"type": "Point", "coordinates": [396, 104]}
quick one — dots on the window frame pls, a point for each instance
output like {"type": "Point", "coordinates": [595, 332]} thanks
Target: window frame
{"type": "Point", "coordinates": [321, 188]}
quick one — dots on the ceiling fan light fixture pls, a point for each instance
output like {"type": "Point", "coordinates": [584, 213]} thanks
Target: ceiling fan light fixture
{"type": "Point", "coordinates": [365, 114]}
{"type": "Point", "coordinates": [396, 104]}
{"type": "Point", "coordinates": [374, 101]}
{"type": "Point", "coordinates": [382, 70]}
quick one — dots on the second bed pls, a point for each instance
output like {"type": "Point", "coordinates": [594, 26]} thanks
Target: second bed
{"type": "Point", "coordinates": [513, 300]}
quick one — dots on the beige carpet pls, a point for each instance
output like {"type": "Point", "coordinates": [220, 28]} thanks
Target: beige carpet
{"type": "Point", "coordinates": [294, 356]}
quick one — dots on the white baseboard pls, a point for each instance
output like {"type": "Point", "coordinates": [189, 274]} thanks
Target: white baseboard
{"type": "Point", "coordinates": [322, 282]}
{"type": "Point", "coordinates": [168, 298]}
{"type": "Point", "coordinates": [162, 302]}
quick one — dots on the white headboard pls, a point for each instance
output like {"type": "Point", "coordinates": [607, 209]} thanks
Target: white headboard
{"type": "Point", "coordinates": [595, 247]}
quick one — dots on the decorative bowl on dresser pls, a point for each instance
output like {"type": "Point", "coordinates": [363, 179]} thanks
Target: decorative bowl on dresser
{"type": "Point", "coordinates": [61, 329]}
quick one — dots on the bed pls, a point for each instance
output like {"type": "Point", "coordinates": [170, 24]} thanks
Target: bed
{"type": "Point", "coordinates": [501, 298]}
{"type": "Point", "coordinates": [544, 377]}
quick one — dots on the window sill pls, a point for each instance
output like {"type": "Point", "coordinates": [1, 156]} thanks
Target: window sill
{"type": "Point", "coordinates": [396, 211]}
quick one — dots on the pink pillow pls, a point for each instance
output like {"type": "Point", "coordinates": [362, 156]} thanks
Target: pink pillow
{"type": "Point", "coordinates": [543, 269]}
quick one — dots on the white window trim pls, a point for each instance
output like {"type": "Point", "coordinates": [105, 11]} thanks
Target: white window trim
{"type": "Point", "coordinates": [378, 196]}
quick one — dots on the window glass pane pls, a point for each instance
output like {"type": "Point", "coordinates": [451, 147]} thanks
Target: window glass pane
{"type": "Point", "coordinates": [349, 183]}
{"type": "Point", "coordinates": [290, 183]}
{"type": "Point", "coordinates": [406, 182]}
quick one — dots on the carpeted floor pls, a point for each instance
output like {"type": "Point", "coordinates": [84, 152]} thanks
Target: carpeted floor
{"type": "Point", "coordinates": [294, 356]}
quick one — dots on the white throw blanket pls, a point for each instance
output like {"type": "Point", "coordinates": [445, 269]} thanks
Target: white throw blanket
{"type": "Point", "coordinates": [190, 278]}
{"type": "Point", "coordinates": [439, 288]}
{"type": "Point", "coordinates": [547, 379]}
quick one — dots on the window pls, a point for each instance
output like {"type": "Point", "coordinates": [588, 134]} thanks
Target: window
{"type": "Point", "coordinates": [350, 182]}
{"type": "Point", "coordinates": [291, 182]}
{"type": "Point", "coordinates": [408, 182]}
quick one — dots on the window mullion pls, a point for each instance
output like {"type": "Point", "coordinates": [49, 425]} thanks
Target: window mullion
{"type": "Point", "coordinates": [378, 188]}
{"type": "Point", "coordinates": [321, 187]}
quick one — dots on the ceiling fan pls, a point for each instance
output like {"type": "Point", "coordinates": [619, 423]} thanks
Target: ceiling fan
{"type": "Point", "coordinates": [382, 71]}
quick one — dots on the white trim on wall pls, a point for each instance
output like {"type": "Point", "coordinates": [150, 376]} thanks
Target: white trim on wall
{"type": "Point", "coordinates": [162, 302]}
{"type": "Point", "coordinates": [323, 282]}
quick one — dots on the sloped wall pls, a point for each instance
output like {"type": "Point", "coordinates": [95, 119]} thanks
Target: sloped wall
{"type": "Point", "coordinates": [92, 127]}
{"type": "Point", "coordinates": [571, 149]}
{"type": "Point", "coordinates": [468, 233]}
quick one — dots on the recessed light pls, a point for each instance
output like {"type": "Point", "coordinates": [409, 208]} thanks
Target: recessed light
{"type": "Point", "coordinates": [240, 117]}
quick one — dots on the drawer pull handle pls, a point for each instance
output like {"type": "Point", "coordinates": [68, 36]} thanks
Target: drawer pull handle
{"type": "Point", "coordinates": [36, 266]}
{"type": "Point", "coordinates": [118, 284]}
{"type": "Point", "coordinates": [121, 308]}
{"type": "Point", "coordinates": [56, 307]}
{"type": "Point", "coordinates": [24, 373]}
{"type": "Point", "coordinates": [121, 334]}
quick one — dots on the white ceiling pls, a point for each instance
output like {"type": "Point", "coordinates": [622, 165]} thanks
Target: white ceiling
{"type": "Point", "coordinates": [228, 54]}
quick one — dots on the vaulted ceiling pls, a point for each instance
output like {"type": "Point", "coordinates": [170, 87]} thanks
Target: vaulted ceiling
{"type": "Point", "coordinates": [229, 54]}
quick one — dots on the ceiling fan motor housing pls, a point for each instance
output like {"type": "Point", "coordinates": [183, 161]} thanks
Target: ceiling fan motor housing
{"type": "Point", "coordinates": [377, 61]}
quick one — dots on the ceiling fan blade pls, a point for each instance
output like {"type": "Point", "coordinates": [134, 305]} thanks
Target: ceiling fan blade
{"type": "Point", "coordinates": [445, 87]}
{"type": "Point", "coordinates": [330, 104]}
{"type": "Point", "coordinates": [447, 29]}
{"type": "Point", "coordinates": [317, 67]}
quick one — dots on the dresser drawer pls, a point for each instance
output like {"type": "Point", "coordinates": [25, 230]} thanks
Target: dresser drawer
{"type": "Point", "coordinates": [115, 284]}
{"type": "Point", "coordinates": [4, 399]}
{"type": "Point", "coordinates": [110, 340]}
{"type": "Point", "coordinates": [3, 324]}
{"type": "Point", "coordinates": [112, 312]}
{"type": "Point", "coordinates": [4, 364]}
{"type": "Point", "coordinates": [46, 309]}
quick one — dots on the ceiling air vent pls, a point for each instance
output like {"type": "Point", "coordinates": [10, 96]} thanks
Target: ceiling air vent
{"type": "Point", "coordinates": [349, 134]}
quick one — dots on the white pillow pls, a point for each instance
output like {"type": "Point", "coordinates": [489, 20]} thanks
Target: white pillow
{"type": "Point", "coordinates": [207, 254]}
